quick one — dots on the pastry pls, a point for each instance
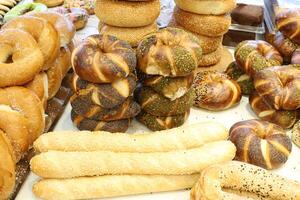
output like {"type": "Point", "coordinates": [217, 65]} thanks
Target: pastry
{"type": "Point", "coordinates": [279, 87]}
{"type": "Point", "coordinates": [50, 3]}
{"type": "Point", "coordinates": [215, 91]}
{"type": "Point", "coordinates": [248, 14]}
{"type": "Point", "coordinates": [260, 143]}
{"type": "Point", "coordinates": [109, 60]}
{"type": "Point", "coordinates": [88, 5]}
{"type": "Point", "coordinates": [178, 58]}
{"type": "Point", "coordinates": [237, 180]}
{"type": "Point", "coordinates": [284, 45]}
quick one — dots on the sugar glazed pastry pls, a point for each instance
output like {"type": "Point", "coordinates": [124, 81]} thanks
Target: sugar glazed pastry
{"type": "Point", "coordinates": [103, 84]}
{"type": "Point", "coordinates": [260, 143]}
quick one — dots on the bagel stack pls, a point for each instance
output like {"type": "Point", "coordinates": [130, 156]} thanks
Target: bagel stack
{"type": "Point", "coordinates": [103, 84]}
{"type": "Point", "coordinates": [166, 63]}
{"type": "Point", "coordinates": [209, 20]}
{"type": "Point", "coordinates": [126, 19]}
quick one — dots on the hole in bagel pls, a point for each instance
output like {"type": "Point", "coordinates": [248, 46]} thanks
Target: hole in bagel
{"type": "Point", "coordinates": [9, 59]}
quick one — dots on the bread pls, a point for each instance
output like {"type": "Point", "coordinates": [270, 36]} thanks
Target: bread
{"type": "Point", "coordinates": [296, 57]}
{"type": "Point", "coordinates": [260, 143]}
{"type": "Point", "coordinates": [284, 45]}
{"type": "Point", "coordinates": [50, 3]}
{"type": "Point", "coordinates": [88, 5]}
{"type": "Point", "coordinates": [211, 58]}
{"type": "Point", "coordinates": [296, 134]}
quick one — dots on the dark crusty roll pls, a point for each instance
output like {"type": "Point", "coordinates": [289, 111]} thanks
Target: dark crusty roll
{"type": "Point", "coordinates": [157, 123]}
{"type": "Point", "coordinates": [128, 109]}
{"type": "Point", "coordinates": [158, 105]}
{"type": "Point", "coordinates": [283, 118]}
{"type": "Point", "coordinates": [83, 123]}
{"type": "Point", "coordinates": [284, 45]}
{"type": "Point", "coordinates": [260, 143]}
{"type": "Point", "coordinates": [107, 95]}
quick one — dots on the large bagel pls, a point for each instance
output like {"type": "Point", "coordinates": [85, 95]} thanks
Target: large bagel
{"type": "Point", "coordinates": [209, 25]}
{"type": "Point", "coordinates": [207, 7]}
{"type": "Point", "coordinates": [43, 32]}
{"type": "Point", "coordinates": [27, 58]}
{"type": "Point", "coordinates": [126, 13]}
{"type": "Point", "coordinates": [211, 58]}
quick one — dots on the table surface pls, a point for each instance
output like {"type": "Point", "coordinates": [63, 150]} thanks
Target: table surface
{"type": "Point", "coordinates": [241, 112]}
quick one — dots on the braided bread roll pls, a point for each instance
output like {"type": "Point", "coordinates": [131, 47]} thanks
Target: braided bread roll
{"type": "Point", "coordinates": [215, 91]}
{"type": "Point", "coordinates": [241, 181]}
{"type": "Point", "coordinates": [260, 143]}
{"type": "Point", "coordinates": [279, 86]}
{"type": "Point", "coordinates": [284, 45]}
{"type": "Point", "coordinates": [103, 59]}
{"type": "Point", "coordinates": [283, 118]}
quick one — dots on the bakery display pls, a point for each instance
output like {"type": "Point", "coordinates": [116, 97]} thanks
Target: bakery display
{"type": "Point", "coordinates": [88, 5]}
{"type": "Point", "coordinates": [260, 143]}
{"type": "Point", "coordinates": [237, 180]}
{"type": "Point", "coordinates": [215, 91]}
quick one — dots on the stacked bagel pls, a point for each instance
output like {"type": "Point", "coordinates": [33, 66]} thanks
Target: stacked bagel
{"type": "Point", "coordinates": [126, 19]}
{"type": "Point", "coordinates": [34, 59]}
{"type": "Point", "coordinates": [103, 84]}
{"type": "Point", "coordinates": [209, 20]}
{"type": "Point", "coordinates": [166, 63]}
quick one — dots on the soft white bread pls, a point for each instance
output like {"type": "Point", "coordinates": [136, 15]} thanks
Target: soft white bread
{"type": "Point", "coordinates": [185, 137]}
{"type": "Point", "coordinates": [55, 164]}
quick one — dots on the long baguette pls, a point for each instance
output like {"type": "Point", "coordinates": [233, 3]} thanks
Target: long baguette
{"type": "Point", "coordinates": [185, 137]}
{"type": "Point", "coordinates": [110, 186]}
{"type": "Point", "coordinates": [54, 164]}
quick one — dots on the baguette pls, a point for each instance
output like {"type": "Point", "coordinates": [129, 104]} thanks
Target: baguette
{"type": "Point", "coordinates": [54, 164]}
{"type": "Point", "coordinates": [110, 186]}
{"type": "Point", "coordinates": [185, 137]}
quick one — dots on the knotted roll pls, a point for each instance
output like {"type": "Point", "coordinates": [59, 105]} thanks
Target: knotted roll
{"type": "Point", "coordinates": [260, 143]}
{"type": "Point", "coordinates": [103, 59]}
{"type": "Point", "coordinates": [287, 22]}
{"type": "Point", "coordinates": [169, 52]}
{"type": "Point", "coordinates": [279, 87]}
{"type": "Point", "coordinates": [284, 45]}
{"type": "Point", "coordinates": [283, 118]}
{"type": "Point", "coordinates": [253, 56]}
{"type": "Point", "coordinates": [215, 91]}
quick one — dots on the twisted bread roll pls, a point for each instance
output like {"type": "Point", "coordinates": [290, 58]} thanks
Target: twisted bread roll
{"type": "Point", "coordinates": [184, 137]}
{"type": "Point", "coordinates": [279, 86]}
{"type": "Point", "coordinates": [27, 58]}
{"type": "Point", "coordinates": [215, 91]}
{"type": "Point", "coordinates": [103, 59]}
{"type": "Point", "coordinates": [284, 45]}
{"type": "Point", "coordinates": [283, 118]}
{"type": "Point", "coordinates": [55, 164]}
{"type": "Point", "coordinates": [240, 181]}
{"type": "Point", "coordinates": [260, 143]}
{"type": "Point", "coordinates": [110, 186]}
{"type": "Point", "coordinates": [169, 52]}
{"type": "Point", "coordinates": [7, 167]}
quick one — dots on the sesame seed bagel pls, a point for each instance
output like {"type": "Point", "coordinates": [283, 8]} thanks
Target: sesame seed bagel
{"type": "Point", "coordinates": [207, 7]}
{"type": "Point", "coordinates": [208, 25]}
{"type": "Point", "coordinates": [211, 59]}
{"type": "Point", "coordinates": [126, 13]}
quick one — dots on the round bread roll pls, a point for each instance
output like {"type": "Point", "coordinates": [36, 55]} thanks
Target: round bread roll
{"type": "Point", "coordinates": [255, 55]}
{"type": "Point", "coordinates": [158, 123]}
{"type": "Point", "coordinates": [296, 134]}
{"type": "Point", "coordinates": [296, 57]}
{"type": "Point", "coordinates": [244, 80]}
{"type": "Point", "coordinates": [7, 167]}
{"type": "Point", "coordinates": [211, 59]}
{"type": "Point", "coordinates": [215, 91]}
{"type": "Point", "coordinates": [169, 52]}
{"type": "Point", "coordinates": [117, 126]}
{"type": "Point", "coordinates": [260, 143]}
{"type": "Point", "coordinates": [207, 7]}
{"type": "Point", "coordinates": [208, 25]}
{"type": "Point", "coordinates": [103, 59]}
{"type": "Point", "coordinates": [158, 105]}
{"type": "Point", "coordinates": [128, 109]}
{"type": "Point", "coordinates": [127, 14]}
{"type": "Point", "coordinates": [283, 118]}
{"type": "Point", "coordinates": [50, 3]}
{"type": "Point", "coordinates": [284, 45]}
{"type": "Point", "coordinates": [132, 35]}
{"type": "Point", "coordinates": [279, 86]}
{"type": "Point", "coordinates": [105, 95]}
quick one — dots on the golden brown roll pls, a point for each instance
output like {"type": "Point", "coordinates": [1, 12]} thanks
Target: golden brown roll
{"type": "Point", "coordinates": [215, 91]}
{"type": "Point", "coordinates": [279, 86]}
{"type": "Point", "coordinates": [169, 52]}
{"type": "Point", "coordinates": [127, 14]}
{"type": "Point", "coordinates": [212, 58]}
{"type": "Point", "coordinates": [103, 59]}
{"type": "Point", "coordinates": [260, 143]}
{"type": "Point", "coordinates": [132, 35]}
{"type": "Point", "coordinates": [50, 3]}
{"type": "Point", "coordinates": [208, 25]}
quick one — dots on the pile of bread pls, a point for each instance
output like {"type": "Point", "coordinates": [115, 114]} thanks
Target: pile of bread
{"type": "Point", "coordinates": [128, 20]}
{"type": "Point", "coordinates": [209, 21]}
{"type": "Point", "coordinates": [34, 59]}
